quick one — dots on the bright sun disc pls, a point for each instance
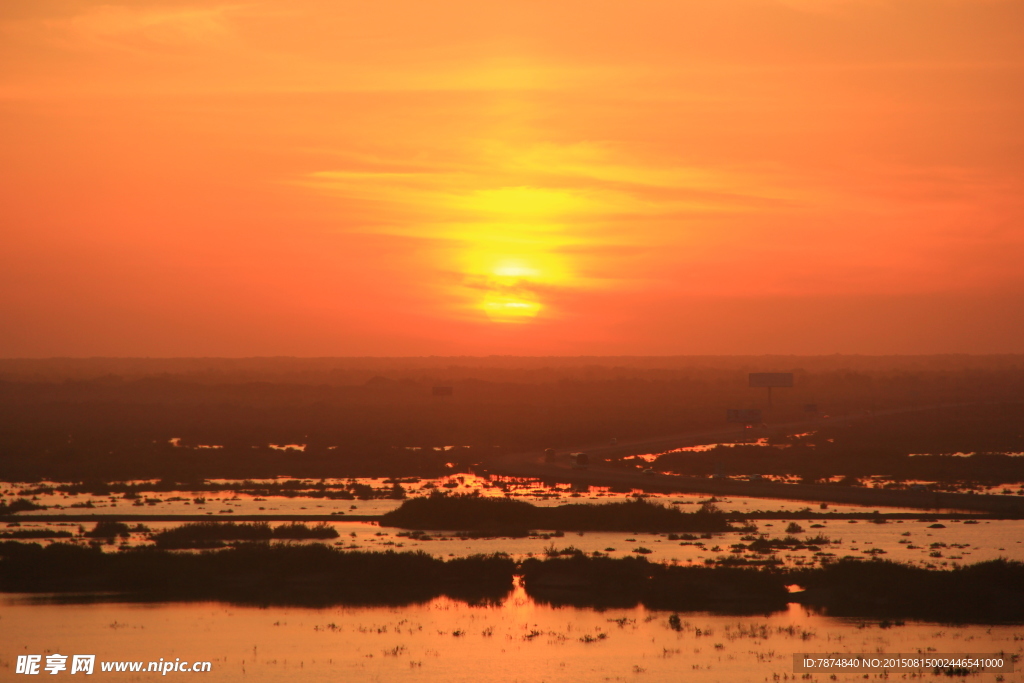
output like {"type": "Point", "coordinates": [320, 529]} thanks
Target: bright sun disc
{"type": "Point", "coordinates": [506, 309]}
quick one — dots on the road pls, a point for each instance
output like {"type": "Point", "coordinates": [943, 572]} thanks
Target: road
{"type": "Point", "coordinates": [531, 464]}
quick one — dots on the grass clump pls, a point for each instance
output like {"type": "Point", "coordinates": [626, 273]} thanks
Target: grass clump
{"type": "Point", "coordinates": [473, 513]}
{"type": "Point", "coordinates": [214, 534]}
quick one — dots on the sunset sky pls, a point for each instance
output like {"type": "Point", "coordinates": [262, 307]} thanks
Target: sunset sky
{"type": "Point", "coordinates": [403, 177]}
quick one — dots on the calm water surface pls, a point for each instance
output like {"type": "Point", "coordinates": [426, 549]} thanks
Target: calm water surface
{"type": "Point", "coordinates": [445, 640]}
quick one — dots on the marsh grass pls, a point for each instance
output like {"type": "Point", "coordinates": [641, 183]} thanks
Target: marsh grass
{"type": "Point", "coordinates": [213, 534]}
{"type": "Point", "coordinates": [511, 517]}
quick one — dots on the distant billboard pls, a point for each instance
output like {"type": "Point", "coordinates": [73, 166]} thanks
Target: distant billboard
{"type": "Point", "coordinates": [743, 416]}
{"type": "Point", "coordinates": [771, 379]}
{"type": "Point", "coordinates": [443, 391]}
{"type": "Point", "coordinates": [811, 408]}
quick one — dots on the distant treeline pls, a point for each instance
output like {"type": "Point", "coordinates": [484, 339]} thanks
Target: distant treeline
{"type": "Point", "coordinates": [908, 446]}
{"type": "Point", "coordinates": [319, 575]}
{"type": "Point", "coordinates": [501, 515]}
{"type": "Point", "coordinates": [110, 419]}
{"type": "Point", "coordinates": [534, 369]}
{"type": "Point", "coordinates": [354, 371]}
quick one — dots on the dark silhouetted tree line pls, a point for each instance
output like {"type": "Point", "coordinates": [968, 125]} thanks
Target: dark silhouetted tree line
{"type": "Point", "coordinates": [258, 573]}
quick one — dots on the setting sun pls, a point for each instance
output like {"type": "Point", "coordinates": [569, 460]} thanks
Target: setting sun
{"type": "Point", "coordinates": [503, 309]}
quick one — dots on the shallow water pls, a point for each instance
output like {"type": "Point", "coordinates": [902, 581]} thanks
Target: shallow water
{"type": "Point", "coordinates": [959, 543]}
{"type": "Point", "coordinates": [445, 640]}
{"type": "Point", "coordinates": [905, 541]}
{"type": "Point", "coordinates": [228, 502]}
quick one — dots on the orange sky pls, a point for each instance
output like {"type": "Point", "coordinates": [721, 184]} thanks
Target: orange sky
{"type": "Point", "coordinates": [399, 177]}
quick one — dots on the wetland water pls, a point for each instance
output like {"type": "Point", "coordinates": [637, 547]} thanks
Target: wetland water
{"type": "Point", "coordinates": [299, 500]}
{"type": "Point", "coordinates": [447, 640]}
{"type": "Point", "coordinates": [518, 639]}
{"type": "Point", "coordinates": [912, 540]}
{"type": "Point", "coordinates": [216, 503]}
{"type": "Point", "coordinates": [958, 543]}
